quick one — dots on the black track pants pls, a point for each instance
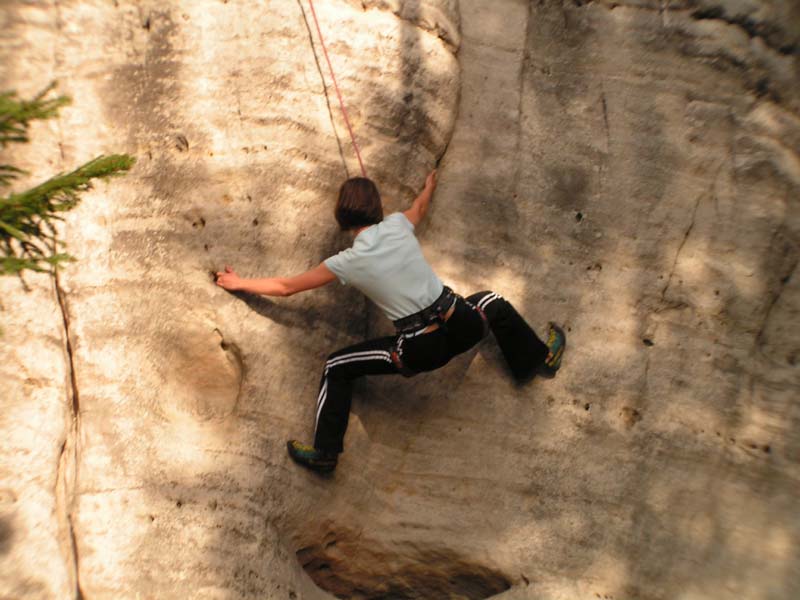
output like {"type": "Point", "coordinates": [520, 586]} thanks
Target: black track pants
{"type": "Point", "coordinates": [421, 352]}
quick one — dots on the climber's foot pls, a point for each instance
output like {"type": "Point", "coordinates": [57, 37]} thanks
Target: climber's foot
{"type": "Point", "coordinates": [556, 343]}
{"type": "Point", "coordinates": [311, 458]}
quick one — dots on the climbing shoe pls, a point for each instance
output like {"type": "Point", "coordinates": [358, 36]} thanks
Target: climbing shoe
{"type": "Point", "coordinates": [310, 457]}
{"type": "Point", "coordinates": [556, 342]}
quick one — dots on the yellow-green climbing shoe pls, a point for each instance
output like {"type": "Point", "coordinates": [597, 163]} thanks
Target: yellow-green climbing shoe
{"type": "Point", "coordinates": [556, 342]}
{"type": "Point", "coordinates": [311, 458]}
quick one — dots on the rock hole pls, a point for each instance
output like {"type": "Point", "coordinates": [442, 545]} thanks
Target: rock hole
{"type": "Point", "coordinates": [716, 292]}
{"type": "Point", "coordinates": [579, 216]}
{"type": "Point", "coordinates": [712, 12]}
{"type": "Point", "coordinates": [255, 221]}
{"type": "Point", "coordinates": [630, 416]}
{"type": "Point", "coordinates": [405, 572]}
{"type": "Point", "coordinates": [146, 24]}
{"type": "Point", "coordinates": [179, 503]}
{"type": "Point", "coordinates": [766, 449]}
{"type": "Point", "coordinates": [648, 342]}
{"type": "Point", "coordinates": [587, 406]}
{"type": "Point", "coordinates": [152, 518]}
{"type": "Point", "coordinates": [762, 87]}
{"type": "Point", "coordinates": [181, 143]}
{"type": "Point", "coordinates": [205, 247]}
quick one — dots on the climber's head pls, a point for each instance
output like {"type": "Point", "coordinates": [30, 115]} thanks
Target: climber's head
{"type": "Point", "coordinates": [359, 204]}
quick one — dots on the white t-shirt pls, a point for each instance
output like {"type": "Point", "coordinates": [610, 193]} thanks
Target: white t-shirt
{"type": "Point", "coordinates": [387, 265]}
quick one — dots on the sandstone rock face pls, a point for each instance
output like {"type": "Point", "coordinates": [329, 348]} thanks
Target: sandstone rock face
{"type": "Point", "coordinates": [629, 169]}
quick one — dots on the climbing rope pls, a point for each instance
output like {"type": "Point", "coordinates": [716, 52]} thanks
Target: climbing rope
{"type": "Point", "coordinates": [336, 86]}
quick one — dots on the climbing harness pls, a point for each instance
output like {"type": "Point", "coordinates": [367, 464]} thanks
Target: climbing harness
{"type": "Point", "coordinates": [420, 322]}
{"type": "Point", "coordinates": [433, 314]}
{"type": "Point", "coordinates": [417, 324]}
{"type": "Point", "coordinates": [396, 354]}
{"type": "Point", "coordinates": [336, 87]}
{"type": "Point", "coordinates": [484, 318]}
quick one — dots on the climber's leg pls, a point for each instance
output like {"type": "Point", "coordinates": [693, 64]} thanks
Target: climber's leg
{"type": "Point", "coordinates": [521, 347]}
{"type": "Point", "coordinates": [336, 387]}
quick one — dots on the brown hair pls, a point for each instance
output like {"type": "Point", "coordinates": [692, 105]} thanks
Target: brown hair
{"type": "Point", "coordinates": [359, 204]}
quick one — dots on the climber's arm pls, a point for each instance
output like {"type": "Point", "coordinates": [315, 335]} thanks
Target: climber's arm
{"type": "Point", "coordinates": [276, 286]}
{"type": "Point", "coordinates": [419, 207]}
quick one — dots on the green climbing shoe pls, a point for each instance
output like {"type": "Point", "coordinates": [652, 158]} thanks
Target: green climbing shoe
{"type": "Point", "coordinates": [556, 342]}
{"type": "Point", "coordinates": [310, 457]}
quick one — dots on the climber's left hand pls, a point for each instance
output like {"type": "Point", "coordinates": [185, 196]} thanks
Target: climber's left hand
{"type": "Point", "coordinates": [228, 279]}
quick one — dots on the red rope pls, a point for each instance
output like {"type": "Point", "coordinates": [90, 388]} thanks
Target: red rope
{"type": "Point", "coordinates": [336, 86]}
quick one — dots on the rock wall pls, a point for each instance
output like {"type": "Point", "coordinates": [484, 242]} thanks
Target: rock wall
{"type": "Point", "coordinates": [628, 169]}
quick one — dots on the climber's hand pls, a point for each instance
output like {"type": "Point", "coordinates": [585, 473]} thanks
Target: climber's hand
{"type": "Point", "coordinates": [228, 279]}
{"type": "Point", "coordinates": [430, 180]}
{"type": "Point", "coordinates": [419, 207]}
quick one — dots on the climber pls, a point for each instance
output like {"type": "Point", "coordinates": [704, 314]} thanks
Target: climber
{"type": "Point", "coordinates": [433, 323]}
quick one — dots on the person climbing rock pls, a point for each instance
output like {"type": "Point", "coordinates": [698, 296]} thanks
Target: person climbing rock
{"type": "Point", "coordinates": [433, 323]}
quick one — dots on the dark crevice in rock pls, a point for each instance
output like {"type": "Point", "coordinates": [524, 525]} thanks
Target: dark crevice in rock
{"type": "Point", "coordinates": [769, 33]}
{"type": "Point", "coordinates": [772, 35]}
{"type": "Point", "coordinates": [710, 192]}
{"type": "Point", "coordinates": [605, 121]}
{"type": "Point", "coordinates": [785, 275]}
{"type": "Point", "coordinates": [68, 459]}
{"type": "Point", "coordinates": [680, 248]}
{"type": "Point", "coordinates": [66, 471]}
{"type": "Point", "coordinates": [413, 19]}
{"type": "Point", "coordinates": [348, 566]}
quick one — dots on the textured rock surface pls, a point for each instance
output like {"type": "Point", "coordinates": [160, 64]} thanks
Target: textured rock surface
{"type": "Point", "coordinates": [629, 169]}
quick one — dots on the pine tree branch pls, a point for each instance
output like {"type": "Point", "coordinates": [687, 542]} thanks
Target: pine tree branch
{"type": "Point", "coordinates": [25, 218]}
{"type": "Point", "coordinates": [16, 114]}
{"type": "Point", "coordinates": [8, 173]}
{"type": "Point", "coordinates": [27, 231]}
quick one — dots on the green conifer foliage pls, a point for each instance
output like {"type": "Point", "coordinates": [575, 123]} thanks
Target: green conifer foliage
{"type": "Point", "coordinates": [27, 233]}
